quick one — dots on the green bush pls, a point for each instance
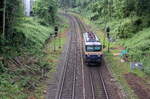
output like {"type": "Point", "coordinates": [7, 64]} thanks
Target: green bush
{"type": "Point", "coordinates": [46, 10]}
{"type": "Point", "coordinates": [8, 90]}
{"type": "Point", "coordinates": [146, 65]}
{"type": "Point", "coordinates": [33, 31]}
{"type": "Point", "coordinates": [125, 28]}
{"type": "Point", "coordinates": [139, 47]}
{"type": "Point", "coordinates": [2, 68]}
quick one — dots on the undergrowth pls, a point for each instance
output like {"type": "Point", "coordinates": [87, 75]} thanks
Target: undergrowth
{"type": "Point", "coordinates": [34, 31]}
{"type": "Point", "coordinates": [139, 48]}
{"type": "Point", "coordinates": [21, 64]}
{"type": "Point", "coordinates": [131, 32]}
{"type": "Point", "coordinates": [29, 35]}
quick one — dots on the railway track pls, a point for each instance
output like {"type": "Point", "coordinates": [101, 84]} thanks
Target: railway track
{"type": "Point", "coordinates": [98, 87]}
{"type": "Point", "coordinates": [77, 80]}
{"type": "Point", "coordinates": [67, 84]}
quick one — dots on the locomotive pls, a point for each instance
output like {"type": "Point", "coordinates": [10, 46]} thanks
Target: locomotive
{"type": "Point", "coordinates": [92, 48]}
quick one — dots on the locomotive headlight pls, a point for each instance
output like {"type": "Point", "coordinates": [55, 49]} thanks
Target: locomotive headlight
{"type": "Point", "coordinates": [87, 55]}
{"type": "Point", "coordinates": [99, 55]}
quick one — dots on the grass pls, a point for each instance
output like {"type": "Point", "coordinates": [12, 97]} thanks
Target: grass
{"type": "Point", "coordinates": [34, 31]}
{"type": "Point", "coordinates": [52, 57]}
{"type": "Point", "coordinates": [7, 90]}
{"type": "Point", "coordinates": [30, 37]}
{"type": "Point", "coordinates": [14, 83]}
{"type": "Point", "coordinates": [118, 69]}
{"type": "Point", "coordinates": [137, 44]}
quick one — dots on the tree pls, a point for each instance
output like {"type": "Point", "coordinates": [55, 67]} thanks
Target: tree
{"type": "Point", "coordinates": [46, 10]}
{"type": "Point", "coordinates": [1, 16]}
{"type": "Point", "coordinates": [13, 13]}
{"type": "Point", "coordinates": [4, 11]}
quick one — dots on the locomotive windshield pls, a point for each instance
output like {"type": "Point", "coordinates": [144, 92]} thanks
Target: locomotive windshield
{"type": "Point", "coordinates": [93, 48]}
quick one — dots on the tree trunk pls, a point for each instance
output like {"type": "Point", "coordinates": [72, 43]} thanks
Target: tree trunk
{"type": "Point", "coordinates": [1, 17]}
{"type": "Point", "coordinates": [4, 10]}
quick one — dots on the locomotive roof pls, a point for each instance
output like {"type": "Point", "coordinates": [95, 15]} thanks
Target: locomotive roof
{"type": "Point", "coordinates": [91, 39]}
{"type": "Point", "coordinates": [92, 43]}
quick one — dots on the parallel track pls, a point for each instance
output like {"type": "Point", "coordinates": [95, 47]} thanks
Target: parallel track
{"type": "Point", "coordinates": [69, 84]}
{"type": "Point", "coordinates": [69, 77]}
{"type": "Point", "coordinates": [98, 86]}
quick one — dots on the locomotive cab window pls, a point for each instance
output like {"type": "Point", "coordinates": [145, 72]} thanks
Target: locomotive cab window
{"type": "Point", "coordinates": [93, 48]}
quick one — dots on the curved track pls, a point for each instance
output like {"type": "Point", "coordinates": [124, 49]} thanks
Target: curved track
{"type": "Point", "coordinates": [68, 83]}
{"type": "Point", "coordinates": [77, 80]}
{"type": "Point", "coordinates": [98, 87]}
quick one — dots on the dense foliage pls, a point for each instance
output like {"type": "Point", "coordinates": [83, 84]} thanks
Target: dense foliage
{"type": "Point", "coordinates": [129, 22]}
{"type": "Point", "coordinates": [46, 10]}
{"type": "Point", "coordinates": [22, 66]}
{"type": "Point", "coordinates": [132, 15]}
{"type": "Point", "coordinates": [18, 27]}
{"type": "Point", "coordinates": [14, 13]}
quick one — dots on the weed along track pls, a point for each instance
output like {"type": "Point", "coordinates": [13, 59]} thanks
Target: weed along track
{"type": "Point", "coordinates": [75, 49]}
{"type": "Point", "coordinates": [77, 80]}
{"type": "Point", "coordinates": [68, 83]}
{"type": "Point", "coordinates": [94, 83]}
{"type": "Point", "coordinates": [97, 79]}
